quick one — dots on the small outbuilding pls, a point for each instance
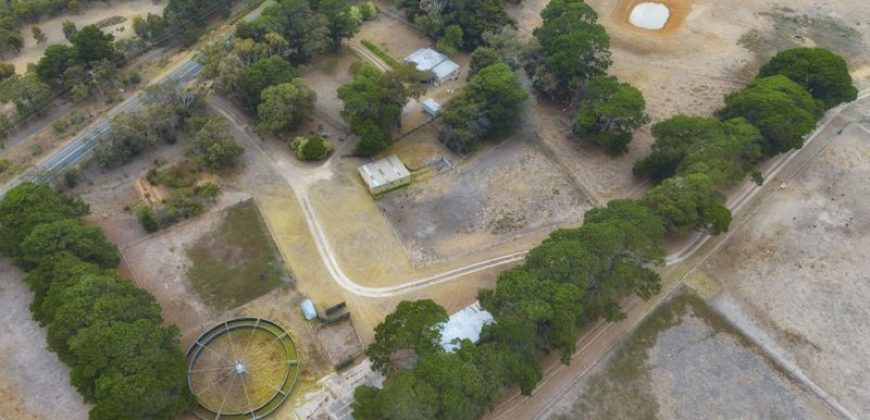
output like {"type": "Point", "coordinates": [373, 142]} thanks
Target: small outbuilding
{"type": "Point", "coordinates": [427, 59]}
{"type": "Point", "coordinates": [308, 309]}
{"type": "Point", "coordinates": [386, 174]}
{"type": "Point", "coordinates": [431, 107]}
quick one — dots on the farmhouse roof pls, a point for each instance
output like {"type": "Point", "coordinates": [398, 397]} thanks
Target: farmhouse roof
{"type": "Point", "coordinates": [383, 171]}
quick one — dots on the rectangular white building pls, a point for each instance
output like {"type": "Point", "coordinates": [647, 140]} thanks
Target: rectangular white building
{"type": "Point", "coordinates": [427, 59]}
{"type": "Point", "coordinates": [385, 174]}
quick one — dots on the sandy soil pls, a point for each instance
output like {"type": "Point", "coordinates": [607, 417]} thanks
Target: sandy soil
{"type": "Point", "coordinates": [34, 384]}
{"type": "Point", "coordinates": [800, 267]}
{"type": "Point", "coordinates": [684, 362]}
{"type": "Point", "coordinates": [53, 27]}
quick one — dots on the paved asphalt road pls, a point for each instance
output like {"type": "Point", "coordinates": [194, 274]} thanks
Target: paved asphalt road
{"type": "Point", "coordinates": [80, 147]}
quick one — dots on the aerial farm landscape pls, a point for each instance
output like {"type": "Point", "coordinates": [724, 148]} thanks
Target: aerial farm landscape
{"type": "Point", "coordinates": [434, 209]}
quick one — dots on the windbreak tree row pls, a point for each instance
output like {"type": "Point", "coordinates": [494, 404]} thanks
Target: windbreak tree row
{"type": "Point", "coordinates": [108, 330]}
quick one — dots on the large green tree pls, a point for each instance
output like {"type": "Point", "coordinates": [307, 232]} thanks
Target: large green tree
{"type": "Point", "coordinates": [574, 48]}
{"type": "Point", "coordinates": [782, 110]}
{"type": "Point", "coordinates": [93, 300]}
{"type": "Point", "coordinates": [214, 146]}
{"type": "Point", "coordinates": [131, 370]}
{"type": "Point", "coordinates": [690, 201]}
{"type": "Point", "coordinates": [471, 17]}
{"type": "Point", "coordinates": [50, 278]}
{"type": "Point", "coordinates": [265, 72]}
{"type": "Point", "coordinates": [610, 112]}
{"type": "Point", "coordinates": [488, 106]}
{"type": "Point", "coordinates": [28, 205]}
{"type": "Point", "coordinates": [29, 94]}
{"type": "Point", "coordinates": [88, 243]}
{"type": "Point", "coordinates": [373, 103]}
{"type": "Point", "coordinates": [285, 106]}
{"type": "Point", "coordinates": [822, 73]}
{"type": "Point", "coordinates": [92, 45]}
{"type": "Point", "coordinates": [54, 63]}
{"type": "Point", "coordinates": [189, 18]}
{"type": "Point", "coordinates": [410, 331]}
{"type": "Point", "coordinates": [686, 144]}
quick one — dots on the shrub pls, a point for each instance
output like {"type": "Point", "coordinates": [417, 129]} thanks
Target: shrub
{"type": "Point", "coordinates": [368, 11]}
{"type": "Point", "coordinates": [146, 217]}
{"type": "Point", "coordinates": [311, 148]}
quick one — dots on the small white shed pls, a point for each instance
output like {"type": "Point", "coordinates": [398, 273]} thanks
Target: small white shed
{"type": "Point", "coordinates": [431, 107]}
{"type": "Point", "coordinates": [308, 309]}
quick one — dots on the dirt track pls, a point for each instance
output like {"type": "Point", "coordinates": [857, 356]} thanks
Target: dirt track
{"type": "Point", "coordinates": [800, 267]}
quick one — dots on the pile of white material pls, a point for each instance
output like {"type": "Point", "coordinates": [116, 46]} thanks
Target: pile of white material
{"type": "Point", "coordinates": [649, 15]}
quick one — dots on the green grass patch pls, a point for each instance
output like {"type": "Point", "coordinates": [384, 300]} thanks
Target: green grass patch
{"type": "Point", "coordinates": [237, 262]}
{"type": "Point", "coordinates": [392, 62]}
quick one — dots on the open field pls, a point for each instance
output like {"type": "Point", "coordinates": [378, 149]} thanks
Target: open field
{"type": "Point", "coordinates": [52, 27]}
{"type": "Point", "coordinates": [799, 267]}
{"type": "Point", "coordinates": [236, 262]}
{"type": "Point", "coordinates": [686, 361]}
{"type": "Point", "coordinates": [34, 384]}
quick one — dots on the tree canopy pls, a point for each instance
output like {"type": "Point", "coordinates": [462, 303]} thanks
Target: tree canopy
{"type": "Point", "coordinates": [86, 243]}
{"type": "Point", "coordinates": [690, 201]}
{"type": "Point", "coordinates": [782, 110]}
{"type": "Point", "coordinates": [486, 107]}
{"type": "Point", "coordinates": [264, 73]}
{"type": "Point", "coordinates": [214, 146]}
{"type": "Point", "coordinates": [822, 73]}
{"type": "Point", "coordinates": [311, 27]}
{"type": "Point", "coordinates": [286, 105]}
{"type": "Point", "coordinates": [92, 45]}
{"type": "Point", "coordinates": [411, 328]}
{"type": "Point", "coordinates": [131, 370]}
{"type": "Point", "coordinates": [28, 206]}
{"type": "Point", "coordinates": [610, 112]}
{"type": "Point", "coordinates": [573, 48]}
{"type": "Point", "coordinates": [106, 328]}
{"type": "Point", "coordinates": [97, 299]}
{"type": "Point", "coordinates": [686, 144]}
{"type": "Point", "coordinates": [373, 103]}
{"type": "Point", "coordinates": [459, 23]}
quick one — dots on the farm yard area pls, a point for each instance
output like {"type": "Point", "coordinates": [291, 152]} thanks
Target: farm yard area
{"type": "Point", "coordinates": [499, 193]}
{"type": "Point", "coordinates": [296, 167]}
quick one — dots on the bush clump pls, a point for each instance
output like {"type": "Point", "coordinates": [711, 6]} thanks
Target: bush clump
{"type": "Point", "coordinates": [311, 148]}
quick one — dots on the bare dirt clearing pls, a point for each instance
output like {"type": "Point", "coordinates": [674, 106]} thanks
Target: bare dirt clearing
{"type": "Point", "coordinates": [31, 53]}
{"type": "Point", "coordinates": [685, 361]}
{"type": "Point", "coordinates": [800, 267]}
{"type": "Point", "coordinates": [498, 193]}
{"type": "Point", "coordinates": [33, 382]}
